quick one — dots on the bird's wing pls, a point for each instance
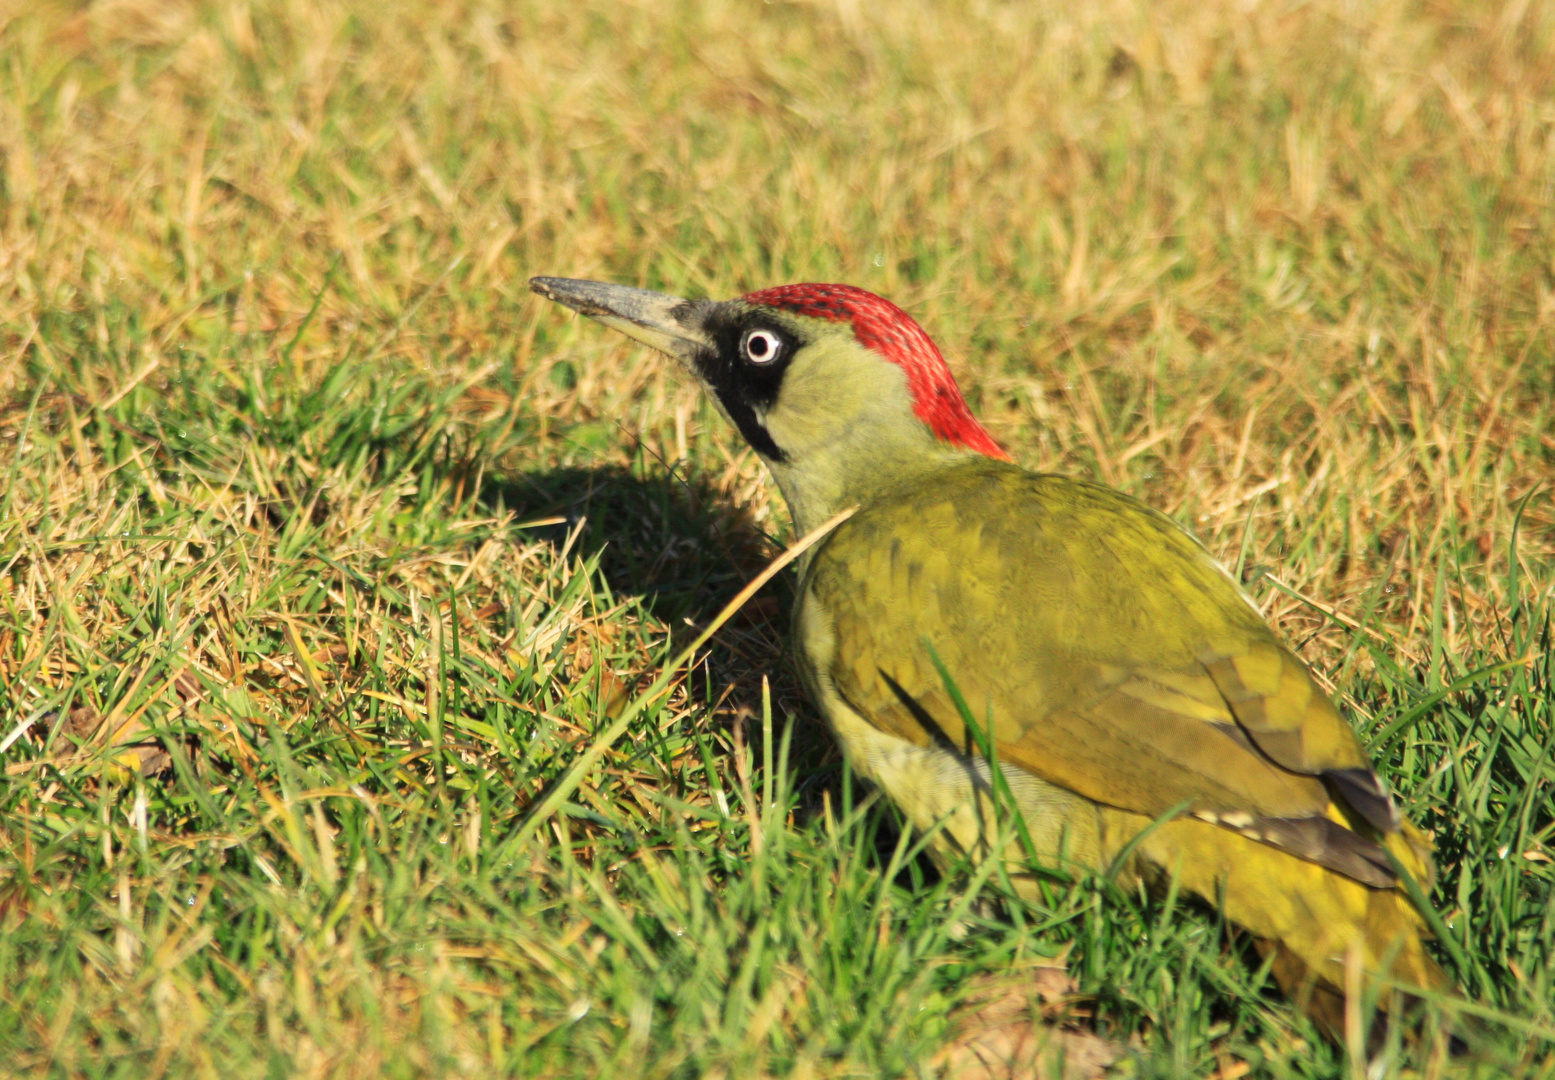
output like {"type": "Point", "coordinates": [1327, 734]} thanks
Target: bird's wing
{"type": "Point", "coordinates": [1105, 652]}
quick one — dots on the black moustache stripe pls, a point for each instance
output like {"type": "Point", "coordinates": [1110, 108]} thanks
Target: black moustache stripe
{"type": "Point", "coordinates": [744, 417]}
{"type": "Point", "coordinates": [744, 387]}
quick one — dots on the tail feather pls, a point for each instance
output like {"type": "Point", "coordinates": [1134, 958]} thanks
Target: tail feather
{"type": "Point", "coordinates": [1312, 919]}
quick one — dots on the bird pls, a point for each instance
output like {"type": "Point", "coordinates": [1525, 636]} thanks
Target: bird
{"type": "Point", "coordinates": [977, 632]}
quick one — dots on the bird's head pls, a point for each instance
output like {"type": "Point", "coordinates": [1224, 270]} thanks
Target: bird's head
{"type": "Point", "coordinates": [830, 384]}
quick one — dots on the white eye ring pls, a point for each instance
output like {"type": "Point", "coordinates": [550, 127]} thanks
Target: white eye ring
{"type": "Point", "coordinates": [760, 346]}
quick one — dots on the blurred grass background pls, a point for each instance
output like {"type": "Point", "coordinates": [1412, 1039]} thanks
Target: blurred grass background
{"type": "Point", "coordinates": [324, 545]}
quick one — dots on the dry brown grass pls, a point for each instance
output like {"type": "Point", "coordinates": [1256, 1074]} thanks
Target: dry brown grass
{"type": "Point", "coordinates": [278, 413]}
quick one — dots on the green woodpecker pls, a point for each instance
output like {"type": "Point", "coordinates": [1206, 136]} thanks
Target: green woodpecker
{"type": "Point", "coordinates": [1121, 674]}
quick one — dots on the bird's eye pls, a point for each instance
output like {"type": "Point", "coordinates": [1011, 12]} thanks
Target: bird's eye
{"type": "Point", "coordinates": [761, 346]}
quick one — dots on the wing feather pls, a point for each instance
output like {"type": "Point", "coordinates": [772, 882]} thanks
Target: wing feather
{"type": "Point", "coordinates": [1132, 672]}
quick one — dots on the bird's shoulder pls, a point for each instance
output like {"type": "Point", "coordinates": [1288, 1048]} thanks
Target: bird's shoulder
{"type": "Point", "coordinates": [985, 535]}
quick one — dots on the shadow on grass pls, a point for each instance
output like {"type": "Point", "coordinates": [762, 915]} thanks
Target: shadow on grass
{"type": "Point", "coordinates": [684, 550]}
{"type": "Point", "coordinates": [676, 543]}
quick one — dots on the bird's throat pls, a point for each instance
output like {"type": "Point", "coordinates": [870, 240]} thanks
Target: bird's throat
{"type": "Point", "coordinates": [816, 487]}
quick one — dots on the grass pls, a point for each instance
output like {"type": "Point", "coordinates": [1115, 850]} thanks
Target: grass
{"type": "Point", "coordinates": [325, 548]}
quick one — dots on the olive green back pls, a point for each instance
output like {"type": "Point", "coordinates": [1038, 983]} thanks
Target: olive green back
{"type": "Point", "coordinates": [1106, 650]}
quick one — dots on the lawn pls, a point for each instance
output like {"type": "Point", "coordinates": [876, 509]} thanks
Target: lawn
{"type": "Point", "coordinates": [326, 548]}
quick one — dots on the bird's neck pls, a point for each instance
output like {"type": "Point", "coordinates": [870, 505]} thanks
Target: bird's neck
{"type": "Point", "coordinates": [817, 488]}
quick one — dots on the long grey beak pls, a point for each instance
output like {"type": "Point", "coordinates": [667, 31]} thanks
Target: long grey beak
{"type": "Point", "coordinates": [666, 323]}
